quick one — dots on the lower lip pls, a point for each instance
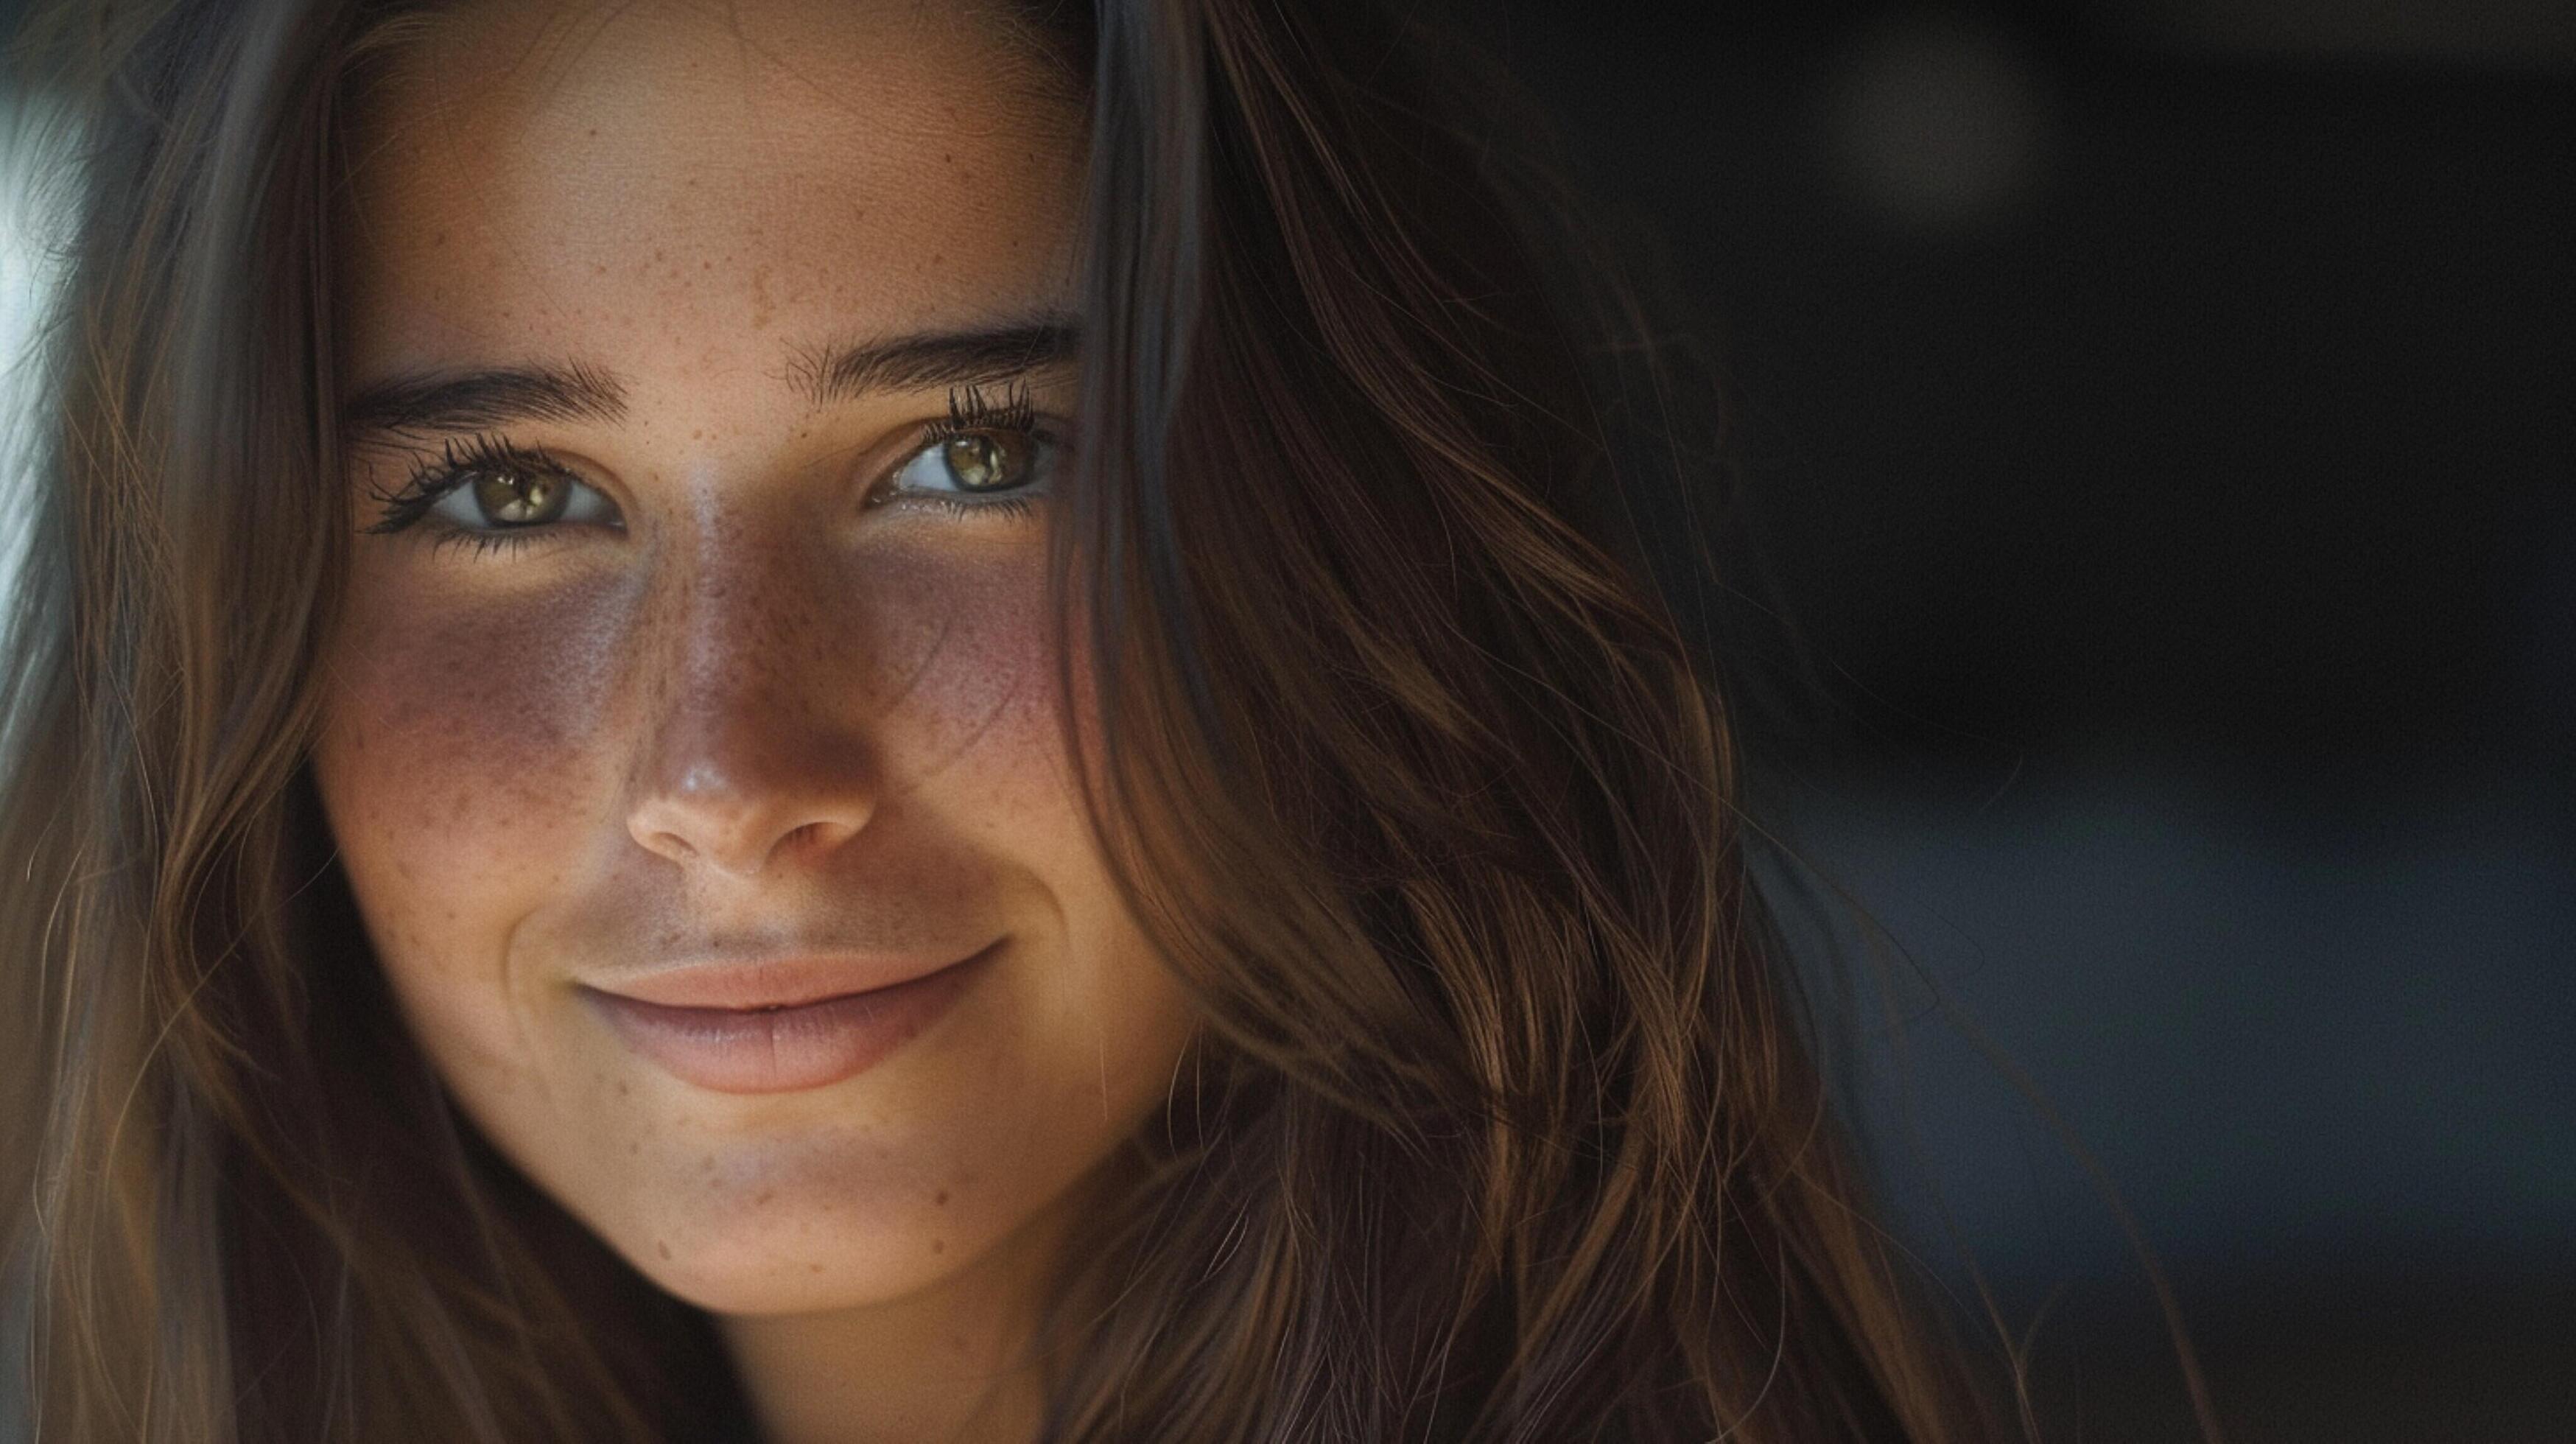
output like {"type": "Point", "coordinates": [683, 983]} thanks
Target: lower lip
{"type": "Point", "coordinates": [785, 1050]}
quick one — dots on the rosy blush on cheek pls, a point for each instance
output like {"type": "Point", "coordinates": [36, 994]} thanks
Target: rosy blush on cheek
{"type": "Point", "coordinates": [974, 693]}
{"type": "Point", "coordinates": [461, 751]}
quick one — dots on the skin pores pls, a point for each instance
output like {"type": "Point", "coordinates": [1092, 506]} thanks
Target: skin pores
{"type": "Point", "coordinates": [729, 708]}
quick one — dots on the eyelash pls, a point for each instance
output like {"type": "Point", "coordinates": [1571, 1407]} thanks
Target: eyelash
{"type": "Point", "coordinates": [433, 479]}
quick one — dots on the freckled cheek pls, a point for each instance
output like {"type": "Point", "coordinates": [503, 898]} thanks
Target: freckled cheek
{"type": "Point", "coordinates": [975, 717]}
{"type": "Point", "coordinates": [459, 758]}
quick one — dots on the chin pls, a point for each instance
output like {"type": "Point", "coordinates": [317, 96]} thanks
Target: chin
{"type": "Point", "coordinates": [774, 1254]}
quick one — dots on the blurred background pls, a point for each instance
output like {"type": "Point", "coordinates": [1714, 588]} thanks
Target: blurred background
{"type": "Point", "coordinates": [2160, 417]}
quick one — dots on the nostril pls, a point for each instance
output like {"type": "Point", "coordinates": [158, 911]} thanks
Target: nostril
{"type": "Point", "coordinates": [818, 834]}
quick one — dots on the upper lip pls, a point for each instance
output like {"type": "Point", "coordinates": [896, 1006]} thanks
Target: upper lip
{"type": "Point", "coordinates": [778, 980]}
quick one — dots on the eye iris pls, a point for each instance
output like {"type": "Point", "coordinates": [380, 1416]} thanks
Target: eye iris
{"type": "Point", "coordinates": [520, 498]}
{"type": "Point", "coordinates": [982, 461]}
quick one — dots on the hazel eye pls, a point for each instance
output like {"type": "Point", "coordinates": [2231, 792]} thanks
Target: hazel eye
{"type": "Point", "coordinates": [501, 498]}
{"type": "Point", "coordinates": [519, 498]}
{"type": "Point", "coordinates": [985, 462]}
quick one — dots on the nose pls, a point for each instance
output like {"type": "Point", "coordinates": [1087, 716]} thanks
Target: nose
{"type": "Point", "coordinates": [754, 756]}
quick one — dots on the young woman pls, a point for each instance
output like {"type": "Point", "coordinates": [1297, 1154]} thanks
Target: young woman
{"type": "Point", "coordinates": [828, 720]}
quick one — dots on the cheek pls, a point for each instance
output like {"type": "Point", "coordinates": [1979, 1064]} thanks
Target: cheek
{"type": "Point", "coordinates": [456, 760]}
{"type": "Point", "coordinates": [1098, 1025]}
{"type": "Point", "coordinates": [971, 726]}
{"type": "Point", "coordinates": [458, 750]}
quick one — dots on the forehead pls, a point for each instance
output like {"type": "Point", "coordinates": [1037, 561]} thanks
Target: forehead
{"type": "Point", "coordinates": [718, 178]}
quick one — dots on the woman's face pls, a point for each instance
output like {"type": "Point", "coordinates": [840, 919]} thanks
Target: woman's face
{"type": "Point", "coordinates": [695, 758]}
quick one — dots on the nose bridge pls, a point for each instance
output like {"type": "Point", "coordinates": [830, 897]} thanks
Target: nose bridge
{"type": "Point", "coordinates": [751, 738]}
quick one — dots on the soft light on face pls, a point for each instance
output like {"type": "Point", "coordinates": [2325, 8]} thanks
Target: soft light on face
{"type": "Point", "coordinates": [729, 644]}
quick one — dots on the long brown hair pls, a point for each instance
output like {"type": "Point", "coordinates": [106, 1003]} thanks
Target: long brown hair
{"type": "Point", "coordinates": [1503, 1126]}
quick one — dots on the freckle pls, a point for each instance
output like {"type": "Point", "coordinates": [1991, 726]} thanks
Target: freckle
{"type": "Point", "coordinates": [765, 1196]}
{"type": "Point", "coordinates": [708, 1163]}
{"type": "Point", "coordinates": [942, 1199]}
{"type": "Point", "coordinates": [623, 1090]}
{"type": "Point", "coordinates": [661, 1248]}
{"type": "Point", "coordinates": [938, 1245]}
{"type": "Point", "coordinates": [634, 1147]}
{"type": "Point", "coordinates": [813, 1268]}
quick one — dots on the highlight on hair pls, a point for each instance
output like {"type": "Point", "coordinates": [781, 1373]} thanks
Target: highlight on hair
{"type": "Point", "coordinates": [1503, 1126]}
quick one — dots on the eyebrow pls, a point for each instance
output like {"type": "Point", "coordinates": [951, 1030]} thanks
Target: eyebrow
{"type": "Point", "coordinates": [935, 358]}
{"type": "Point", "coordinates": [497, 396]}
{"type": "Point", "coordinates": [476, 399]}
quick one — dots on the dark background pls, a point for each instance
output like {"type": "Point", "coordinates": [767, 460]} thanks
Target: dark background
{"type": "Point", "coordinates": [2163, 422]}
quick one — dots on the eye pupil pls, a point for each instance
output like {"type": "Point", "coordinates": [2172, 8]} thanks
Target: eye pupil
{"type": "Point", "coordinates": [518, 498]}
{"type": "Point", "coordinates": [981, 461]}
